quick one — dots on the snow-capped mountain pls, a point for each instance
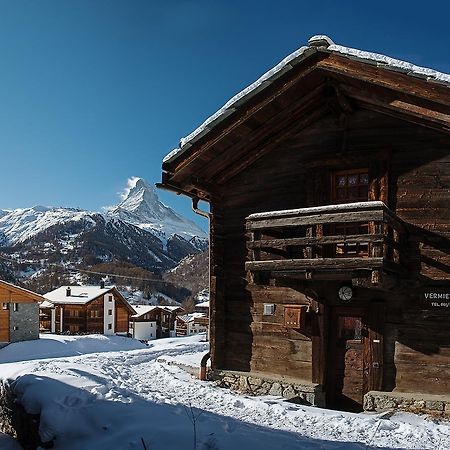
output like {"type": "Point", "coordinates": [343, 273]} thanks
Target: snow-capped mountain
{"type": "Point", "coordinates": [142, 207]}
{"type": "Point", "coordinates": [21, 224]}
{"type": "Point", "coordinates": [140, 231]}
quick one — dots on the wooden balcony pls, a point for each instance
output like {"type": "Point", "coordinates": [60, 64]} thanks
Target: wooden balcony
{"type": "Point", "coordinates": [347, 241]}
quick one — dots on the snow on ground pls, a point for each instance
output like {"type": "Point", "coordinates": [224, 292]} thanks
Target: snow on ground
{"type": "Point", "coordinates": [8, 443]}
{"type": "Point", "coordinates": [56, 346]}
{"type": "Point", "coordinates": [125, 394]}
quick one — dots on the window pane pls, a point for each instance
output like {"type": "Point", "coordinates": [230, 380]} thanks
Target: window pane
{"type": "Point", "coordinates": [341, 193]}
{"type": "Point", "coordinates": [353, 193]}
{"type": "Point", "coordinates": [353, 180]}
{"type": "Point", "coordinates": [364, 178]}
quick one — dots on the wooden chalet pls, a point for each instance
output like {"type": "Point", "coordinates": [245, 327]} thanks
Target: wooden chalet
{"type": "Point", "coordinates": [19, 314]}
{"type": "Point", "coordinates": [86, 309]}
{"type": "Point", "coordinates": [189, 324]}
{"type": "Point", "coordinates": [169, 318]}
{"type": "Point", "coordinates": [328, 181]}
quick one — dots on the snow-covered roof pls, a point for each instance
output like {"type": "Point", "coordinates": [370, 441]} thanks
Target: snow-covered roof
{"type": "Point", "coordinates": [203, 304]}
{"type": "Point", "coordinates": [171, 307]}
{"type": "Point", "coordinates": [143, 309]}
{"type": "Point", "coordinates": [315, 44]}
{"type": "Point", "coordinates": [318, 209]}
{"type": "Point", "coordinates": [79, 295]}
{"type": "Point", "coordinates": [190, 317]}
{"type": "Point", "coordinates": [46, 304]}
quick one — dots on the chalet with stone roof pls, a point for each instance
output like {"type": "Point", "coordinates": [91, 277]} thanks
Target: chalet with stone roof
{"type": "Point", "coordinates": [328, 181]}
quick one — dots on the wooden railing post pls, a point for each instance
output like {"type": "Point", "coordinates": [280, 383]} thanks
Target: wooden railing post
{"type": "Point", "coordinates": [308, 252]}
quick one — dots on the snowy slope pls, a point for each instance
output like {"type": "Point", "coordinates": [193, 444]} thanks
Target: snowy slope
{"type": "Point", "coordinates": [21, 224]}
{"type": "Point", "coordinates": [120, 398]}
{"type": "Point", "coordinates": [141, 206]}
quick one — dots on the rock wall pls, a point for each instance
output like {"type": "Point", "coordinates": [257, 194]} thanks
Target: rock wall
{"type": "Point", "coordinates": [411, 402]}
{"type": "Point", "coordinates": [259, 384]}
{"type": "Point", "coordinates": [24, 323]}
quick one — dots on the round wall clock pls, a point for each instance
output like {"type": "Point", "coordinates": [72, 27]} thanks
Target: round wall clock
{"type": "Point", "coordinates": [345, 293]}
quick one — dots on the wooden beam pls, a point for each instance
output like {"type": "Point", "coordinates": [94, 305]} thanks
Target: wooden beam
{"type": "Point", "coordinates": [343, 217]}
{"type": "Point", "coordinates": [264, 143]}
{"type": "Point", "coordinates": [395, 105]}
{"type": "Point", "coordinates": [315, 264]}
{"type": "Point", "coordinates": [385, 78]}
{"type": "Point", "coordinates": [320, 240]}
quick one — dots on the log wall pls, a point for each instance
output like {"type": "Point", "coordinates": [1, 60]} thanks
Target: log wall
{"type": "Point", "coordinates": [412, 174]}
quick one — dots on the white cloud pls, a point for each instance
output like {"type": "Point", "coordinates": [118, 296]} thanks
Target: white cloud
{"type": "Point", "coordinates": [131, 183]}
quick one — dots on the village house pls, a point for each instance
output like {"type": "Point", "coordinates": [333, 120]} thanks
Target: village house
{"type": "Point", "coordinates": [202, 307]}
{"type": "Point", "coordinates": [153, 322]}
{"type": "Point", "coordinates": [86, 309]}
{"type": "Point", "coordinates": [328, 181]}
{"type": "Point", "coordinates": [168, 319]}
{"type": "Point", "coordinates": [19, 314]}
{"type": "Point", "coordinates": [193, 323]}
{"type": "Point", "coordinates": [145, 324]}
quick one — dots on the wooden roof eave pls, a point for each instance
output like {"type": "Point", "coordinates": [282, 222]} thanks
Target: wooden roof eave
{"type": "Point", "coordinates": [25, 292]}
{"type": "Point", "coordinates": [406, 97]}
{"type": "Point", "coordinates": [123, 300]}
{"type": "Point", "coordinates": [241, 113]}
{"type": "Point", "coordinates": [388, 78]}
{"type": "Point", "coordinates": [401, 106]}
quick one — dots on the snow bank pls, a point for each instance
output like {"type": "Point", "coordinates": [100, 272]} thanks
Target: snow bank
{"type": "Point", "coordinates": [119, 399]}
{"type": "Point", "coordinates": [56, 346]}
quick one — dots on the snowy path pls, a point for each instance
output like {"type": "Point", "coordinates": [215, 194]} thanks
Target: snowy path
{"type": "Point", "coordinates": [130, 377]}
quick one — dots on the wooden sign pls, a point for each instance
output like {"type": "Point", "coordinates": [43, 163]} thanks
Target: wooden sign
{"type": "Point", "coordinates": [294, 316]}
{"type": "Point", "coordinates": [436, 298]}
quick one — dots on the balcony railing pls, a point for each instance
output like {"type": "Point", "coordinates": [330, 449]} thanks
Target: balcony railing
{"type": "Point", "coordinates": [347, 240]}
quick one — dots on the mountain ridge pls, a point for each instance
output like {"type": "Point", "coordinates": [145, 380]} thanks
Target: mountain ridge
{"type": "Point", "coordinates": [140, 207]}
{"type": "Point", "coordinates": [140, 231]}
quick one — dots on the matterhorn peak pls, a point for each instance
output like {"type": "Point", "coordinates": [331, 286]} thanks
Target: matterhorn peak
{"type": "Point", "coordinates": [139, 196]}
{"type": "Point", "coordinates": [141, 206]}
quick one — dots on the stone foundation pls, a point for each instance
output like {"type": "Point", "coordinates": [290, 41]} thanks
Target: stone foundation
{"type": "Point", "coordinates": [256, 383]}
{"type": "Point", "coordinates": [411, 402]}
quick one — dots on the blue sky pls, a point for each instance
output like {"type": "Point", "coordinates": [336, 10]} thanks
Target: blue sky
{"type": "Point", "coordinates": [93, 92]}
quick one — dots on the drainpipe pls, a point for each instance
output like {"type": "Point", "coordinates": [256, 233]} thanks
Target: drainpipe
{"type": "Point", "coordinates": [208, 215]}
{"type": "Point", "coordinates": [195, 208]}
{"type": "Point", "coordinates": [202, 374]}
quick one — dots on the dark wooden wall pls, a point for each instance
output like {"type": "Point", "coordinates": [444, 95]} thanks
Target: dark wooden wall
{"type": "Point", "coordinates": [297, 174]}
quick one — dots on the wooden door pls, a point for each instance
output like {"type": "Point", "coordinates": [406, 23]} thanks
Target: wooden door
{"type": "Point", "coordinates": [345, 387]}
